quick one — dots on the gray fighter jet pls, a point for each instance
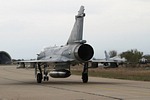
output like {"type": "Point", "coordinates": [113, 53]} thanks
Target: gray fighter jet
{"type": "Point", "coordinates": [75, 52]}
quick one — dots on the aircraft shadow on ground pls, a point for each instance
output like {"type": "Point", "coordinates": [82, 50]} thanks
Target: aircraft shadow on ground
{"type": "Point", "coordinates": [62, 83]}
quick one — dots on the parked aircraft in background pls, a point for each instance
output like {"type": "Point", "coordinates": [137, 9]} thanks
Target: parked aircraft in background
{"type": "Point", "coordinates": [117, 59]}
{"type": "Point", "coordinates": [110, 62]}
{"type": "Point", "coordinates": [75, 52]}
{"type": "Point", "coordinates": [143, 61]}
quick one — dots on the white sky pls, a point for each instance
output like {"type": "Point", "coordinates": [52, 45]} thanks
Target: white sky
{"type": "Point", "coordinates": [26, 26]}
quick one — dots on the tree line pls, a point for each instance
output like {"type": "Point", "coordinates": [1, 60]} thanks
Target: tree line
{"type": "Point", "coordinates": [132, 56]}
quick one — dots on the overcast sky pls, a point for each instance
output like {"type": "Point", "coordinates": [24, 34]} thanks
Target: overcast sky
{"type": "Point", "coordinates": [27, 26]}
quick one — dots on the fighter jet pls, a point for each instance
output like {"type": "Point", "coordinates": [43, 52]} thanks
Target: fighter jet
{"type": "Point", "coordinates": [116, 59]}
{"type": "Point", "coordinates": [108, 62]}
{"type": "Point", "coordinates": [74, 52]}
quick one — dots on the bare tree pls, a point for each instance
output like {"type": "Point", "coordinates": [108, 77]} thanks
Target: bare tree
{"type": "Point", "coordinates": [113, 53]}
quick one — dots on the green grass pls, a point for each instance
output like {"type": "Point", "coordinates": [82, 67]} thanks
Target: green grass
{"type": "Point", "coordinates": [118, 73]}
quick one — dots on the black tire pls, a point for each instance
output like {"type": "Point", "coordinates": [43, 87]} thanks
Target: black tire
{"type": "Point", "coordinates": [85, 77]}
{"type": "Point", "coordinates": [44, 78]}
{"type": "Point", "coordinates": [47, 78]}
{"type": "Point", "coordinates": [39, 78]}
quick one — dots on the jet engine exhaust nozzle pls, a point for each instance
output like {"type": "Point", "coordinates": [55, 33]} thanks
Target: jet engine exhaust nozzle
{"type": "Point", "coordinates": [84, 52]}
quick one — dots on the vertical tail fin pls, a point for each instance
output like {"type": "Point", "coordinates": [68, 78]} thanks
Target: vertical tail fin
{"type": "Point", "coordinates": [106, 55]}
{"type": "Point", "coordinates": [77, 31]}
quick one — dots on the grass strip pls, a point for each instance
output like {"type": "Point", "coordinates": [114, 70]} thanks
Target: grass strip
{"type": "Point", "coordinates": [118, 73]}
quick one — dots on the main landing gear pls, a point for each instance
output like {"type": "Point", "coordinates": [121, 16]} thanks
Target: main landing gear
{"type": "Point", "coordinates": [40, 75]}
{"type": "Point", "coordinates": [46, 78]}
{"type": "Point", "coordinates": [39, 78]}
{"type": "Point", "coordinates": [85, 73]}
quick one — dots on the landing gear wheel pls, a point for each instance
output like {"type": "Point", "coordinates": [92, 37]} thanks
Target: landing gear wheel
{"type": "Point", "coordinates": [85, 73]}
{"type": "Point", "coordinates": [85, 77]}
{"type": "Point", "coordinates": [39, 78]}
{"type": "Point", "coordinates": [46, 78]}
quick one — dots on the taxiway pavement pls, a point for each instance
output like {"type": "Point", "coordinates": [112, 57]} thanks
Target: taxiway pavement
{"type": "Point", "coordinates": [20, 84]}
